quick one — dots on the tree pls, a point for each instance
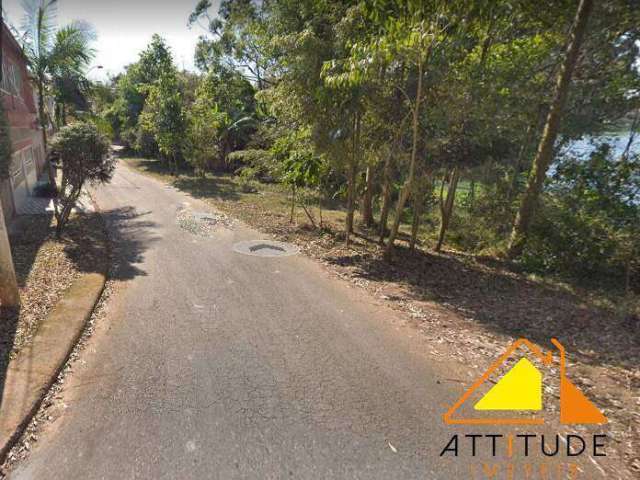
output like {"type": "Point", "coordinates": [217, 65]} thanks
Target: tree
{"type": "Point", "coordinates": [84, 156]}
{"type": "Point", "coordinates": [299, 168]}
{"type": "Point", "coordinates": [53, 52]}
{"type": "Point", "coordinates": [236, 39]}
{"type": "Point", "coordinates": [9, 294]}
{"type": "Point", "coordinates": [70, 56]}
{"type": "Point", "coordinates": [590, 224]}
{"type": "Point", "coordinates": [392, 96]}
{"type": "Point", "coordinates": [163, 116]}
{"type": "Point", "coordinates": [132, 89]}
{"type": "Point", "coordinates": [220, 119]}
{"type": "Point", "coordinates": [203, 123]}
{"type": "Point", "coordinates": [544, 154]}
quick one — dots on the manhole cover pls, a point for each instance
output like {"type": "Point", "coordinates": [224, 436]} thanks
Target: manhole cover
{"type": "Point", "coordinates": [202, 223]}
{"type": "Point", "coordinates": [265, 248]}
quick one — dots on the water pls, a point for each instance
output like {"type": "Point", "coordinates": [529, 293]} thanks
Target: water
{"type": "Point", "coordinates": [617, 140]}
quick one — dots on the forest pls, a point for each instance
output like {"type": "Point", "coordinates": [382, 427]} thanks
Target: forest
{"type": "Point", "coordinates": [433, 125]}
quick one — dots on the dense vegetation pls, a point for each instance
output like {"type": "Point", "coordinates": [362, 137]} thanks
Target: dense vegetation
{"type": "Point", "coordinates": [453, 117]}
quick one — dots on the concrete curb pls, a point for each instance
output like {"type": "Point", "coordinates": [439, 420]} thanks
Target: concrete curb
{"type": "Point", "coordinates": [36, 368]}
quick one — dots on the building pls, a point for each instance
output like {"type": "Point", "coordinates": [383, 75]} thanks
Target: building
{"type": "Point", "coordinates": [20, 100]}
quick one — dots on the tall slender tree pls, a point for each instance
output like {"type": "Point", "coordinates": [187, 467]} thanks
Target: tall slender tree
{"type": "Point", "coordinates": [544, 154]}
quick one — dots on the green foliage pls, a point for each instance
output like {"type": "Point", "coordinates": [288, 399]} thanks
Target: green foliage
{"type": "Point", "coordinates": [252, 157]}
{"type": "Point", "coordinates": [247, 179]}
{"type": "Point", "coordinates": [102, 124]}
{"type": "Point", "coordinates": [590, 223]}
{"type": "Point", "coordinates": [203, 124]}
{"type": "Point", "coordinates": [236, 36]}
{"type": "Point", "coordinates": [219, 120]}
{"type": "Point", "coordinates": [313, 94]}
{"type": "Point", "coordinates": [132, 89]}
{"type": "Point", "coordinates": [163, 115]}
{"type": "Point", "coordinates": [260, 162]}
{"type": "Point", "coordinates": [58, 58]}
{"type": "Point", "coordinates": [84, 157]}
{"type": "Point", "coordinates": [84, 154]}
{"type": "Point", "coordinates": [144, 141]}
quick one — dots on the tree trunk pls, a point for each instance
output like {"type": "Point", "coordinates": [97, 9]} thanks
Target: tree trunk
{"type": "Point", "coordinates": [408, 185]}
{"type": "Point", "coordinates": [62, 217]}
{"type": "Point", "coordinates": [386, 199]}
{"type": "Point", "coordinates": [309, 215]}
{"type": "Point", "coordinates": [351, 181]}
{"type": "Point", "coordinates": [9, 294]}
{"type": "Point", "coordinates": [415, 224]}
{"type": "Point", "coordinates": [351, 187]}
{"type": "Point", "coordinates": [43, 125]}
{"type": "Point", "coordinates": [367, 199]}
{"type": "Point", "coordinates": [544, 153]}
{"type": "Point", "coordinates": [293, 204]}
{"type": "Point", "coordinates": [632, 135]}
{"type": "Point", "coordinates": [446, 206]}
{"type": "Point", "coordinates": [422, 187]}
{"type": "Point", "coordinates": [41, 114]}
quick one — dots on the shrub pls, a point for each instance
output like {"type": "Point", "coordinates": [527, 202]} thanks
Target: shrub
{"type": "Point", "coordinates": [260, 161]}
{"type": "Point", "coordinates": [84, 157]}
{"type": "Point", "coordinates": [589, 223]}
{"type": "Point", "coordinates": [145, 144]}
{"type": "Point", "coordinates": [247, 180]}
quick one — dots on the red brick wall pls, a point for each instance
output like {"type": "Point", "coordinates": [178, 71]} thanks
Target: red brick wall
{"type": "Point", "coordinates": [19, 101]}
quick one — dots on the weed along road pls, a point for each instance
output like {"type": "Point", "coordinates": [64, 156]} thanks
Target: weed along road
{"type": "Point", "coordinates": [222, 359]}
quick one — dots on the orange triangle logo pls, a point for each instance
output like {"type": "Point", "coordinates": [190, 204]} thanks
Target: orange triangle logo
{"type": "Point", "coordinates": [575, 408]}
{"type": "Point", "coordinates": [520, 390]}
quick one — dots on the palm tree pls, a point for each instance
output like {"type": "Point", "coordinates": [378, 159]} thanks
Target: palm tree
{"type": "Point", "coordinates": [54, 53]}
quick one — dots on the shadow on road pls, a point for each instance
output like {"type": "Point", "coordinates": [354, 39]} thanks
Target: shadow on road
{"type": "Point", "coordinates": [130, 236]}
{"type": "Point", "coordinates": [89, 242]}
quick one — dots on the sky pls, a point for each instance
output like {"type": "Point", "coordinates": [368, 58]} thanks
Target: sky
{"type": "Point", "coordinates": [124, 28]}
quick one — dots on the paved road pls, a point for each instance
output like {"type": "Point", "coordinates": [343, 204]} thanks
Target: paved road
{"type": "Point", "coordinates": [213, 364]}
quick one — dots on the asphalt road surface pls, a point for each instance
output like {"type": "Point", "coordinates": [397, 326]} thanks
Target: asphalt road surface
{"type": "Point", "coordinates": [217, 365]}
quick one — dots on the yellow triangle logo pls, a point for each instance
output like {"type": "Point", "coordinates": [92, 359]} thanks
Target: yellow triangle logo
{"type": "Point", "coordinates": [519, 389]}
